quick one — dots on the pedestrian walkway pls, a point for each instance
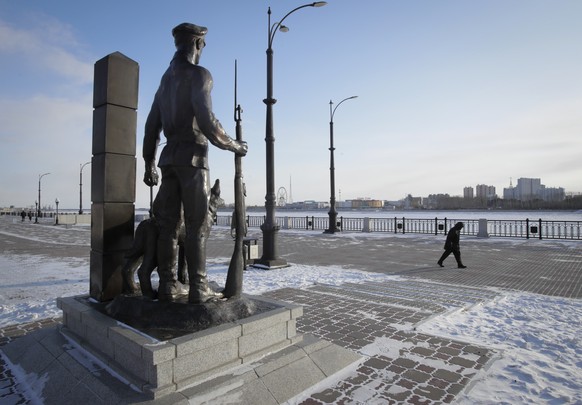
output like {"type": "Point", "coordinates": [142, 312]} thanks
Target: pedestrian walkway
{"type": "Point", "coordinates": [377, 320]}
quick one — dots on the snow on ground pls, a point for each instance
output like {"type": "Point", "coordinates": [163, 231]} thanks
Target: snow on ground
{"type": "Point", "coordinates": [30, 284]}
{"type": "Point", "coordinates": [540, 340]}
{"type": "Point", "coordinates": [539, 337]}
{"type": "Point", "coordinates": [257, 281]}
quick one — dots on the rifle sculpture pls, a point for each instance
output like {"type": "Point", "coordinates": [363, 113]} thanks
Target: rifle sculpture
{"type": "Point", "coordinates": [234, 277]}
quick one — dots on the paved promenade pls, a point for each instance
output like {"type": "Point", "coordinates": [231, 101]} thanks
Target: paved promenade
{"type": "Point", "coordinates": [408, 367]}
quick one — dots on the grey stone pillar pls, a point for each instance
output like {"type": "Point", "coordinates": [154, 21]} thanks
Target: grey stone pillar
{"type": "Point", "coordinates": [112, 171]}
{"type": "Point", "coordinates": [366, 227]}
{"type": "Point", "coordinates": [483, 228]}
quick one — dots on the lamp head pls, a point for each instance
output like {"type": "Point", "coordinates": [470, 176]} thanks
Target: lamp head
{"type": "Point", "coordinates": [283, 28]}
{"type": "Point", "coordinates": [319, 4]}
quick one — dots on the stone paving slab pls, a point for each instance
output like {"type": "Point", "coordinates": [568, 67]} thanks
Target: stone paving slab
{"type": "Point", "coordinates": [375, 320]}
{"type": "Point", "coordinates": [402, 366]}
{"type": "Point", "coordinates": [53, 370]}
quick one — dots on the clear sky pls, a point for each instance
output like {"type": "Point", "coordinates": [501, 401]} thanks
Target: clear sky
{"type": "Point", "coordinates": [451, 93]}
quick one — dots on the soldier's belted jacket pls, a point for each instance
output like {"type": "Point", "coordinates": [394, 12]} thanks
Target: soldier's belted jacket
{"type": "Point", "coordinates": [182, 109]}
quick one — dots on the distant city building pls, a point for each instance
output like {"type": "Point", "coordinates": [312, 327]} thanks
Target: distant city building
{"type": "Point", "coordinates": [412, 202]}
{"type": "Point", "coordinates": [367, 203]}
{"type": "Point", "coordinates": [552, 193]}
{"type": "Point", "coordinates": [485, 192]}
{"type": "Point", "coordinates": [314, 205]}
{"type": "Point", "coordinates": [528, 189]}
{"type": "Point", "coordinates": [509, 193]}
{"type": "Point", "coordinates": [468, 192]}
{"type": "Point", "coordinates": [436, 201]}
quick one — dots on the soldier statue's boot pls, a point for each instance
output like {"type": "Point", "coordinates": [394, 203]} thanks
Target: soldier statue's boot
{"type": "Point", "coordinates": [201, 293]}
{"type": "Point", "coordinates": [170, 288]}
{"type": "Point", "coordinates": [145, 283]}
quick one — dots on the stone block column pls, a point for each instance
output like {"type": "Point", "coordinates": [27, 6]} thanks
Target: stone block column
{"type": "Point", "coordinates": [113, 170]}
{"type": "Point", "coordinates": [483, 228]}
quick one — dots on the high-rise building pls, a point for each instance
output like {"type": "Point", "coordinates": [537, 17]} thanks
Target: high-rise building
{"type": "Point", "coordinates": [552, 193]}
{"type": "Point", "coordinates": [468, 193]}
{"type": "Point", "coordinates": [485, 192]}
{"type": "Point", "coordinates": [528, 189]}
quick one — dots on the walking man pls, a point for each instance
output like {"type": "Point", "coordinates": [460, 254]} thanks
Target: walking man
{"type": "Point", "coordinates": [452, 245]}
{"type": "Point", "coordinates": [182, 109]}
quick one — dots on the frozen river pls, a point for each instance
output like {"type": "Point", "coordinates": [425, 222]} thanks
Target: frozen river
{"type": "Point", "coordinates": [546, 215]}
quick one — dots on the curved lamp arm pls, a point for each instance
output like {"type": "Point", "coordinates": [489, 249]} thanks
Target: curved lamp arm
{"type": "Point", "coordinates": [279, 25]}
{"type": "Point", "coordinates": [332, 112]}
{"type": "Point", "coordinates": [83, 165]}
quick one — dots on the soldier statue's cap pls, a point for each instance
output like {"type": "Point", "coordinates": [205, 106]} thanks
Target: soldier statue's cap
{"type": "Point", "coordinates": [192, 29]}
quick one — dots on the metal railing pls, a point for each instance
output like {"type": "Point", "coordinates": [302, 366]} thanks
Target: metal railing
{"type": "Point", "coordinates": [536, 229]}
{"type": "Point", "coordinates": [513, 228]}
{"type": "Point", "coordinates": [517, 228]}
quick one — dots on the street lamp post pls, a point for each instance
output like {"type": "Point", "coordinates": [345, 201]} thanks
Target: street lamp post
{"type": "Point", "coordinates": [57, 204]}
{"type": "Point", "coordinates": [81, 187]}
{"type": "Point", "coordinates": [332, 211]}
{"type": "Point", "coordinates": [270, 228]}
{"type": "Point", "coordinates": [40, 176]}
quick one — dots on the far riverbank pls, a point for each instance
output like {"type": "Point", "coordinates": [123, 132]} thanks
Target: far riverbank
{"type": "Point", "coordinates": [547, 215]}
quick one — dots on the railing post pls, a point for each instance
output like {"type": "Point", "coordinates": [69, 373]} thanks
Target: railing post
{"type": "Point", "coordinates": [403, 225]}
{"type": "Point", "coordinates": [366, 225]}
{"type": "Point", "coordinates": [395, 225]}
{"type": "Point", "coordinates": [540, 228]}
{"type": "Point", "coordinates": [436, 226]}
{"type": "Point", "coordinates": [483, 228]}
{"type": "Point", "coordinates": [527, 228]}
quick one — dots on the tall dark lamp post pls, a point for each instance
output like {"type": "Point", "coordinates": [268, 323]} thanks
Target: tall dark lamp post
{"type": "Point", "coordinates": [270, 228]}
{"type": "Point", "coordinates": [332, 211]}
{"type": "Point", "coordinates": [81, 187]}
{"type": "Point", "coordinates": [40, 176]}
{"type": "Point", "coordinates": [57, 217]}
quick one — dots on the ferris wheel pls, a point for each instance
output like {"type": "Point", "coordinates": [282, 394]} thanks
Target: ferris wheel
{"type": "Point", "coordinates": [281, 197]}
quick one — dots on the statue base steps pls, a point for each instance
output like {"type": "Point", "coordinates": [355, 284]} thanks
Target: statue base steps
{"type": "Point", "coordinates": [259, 358]}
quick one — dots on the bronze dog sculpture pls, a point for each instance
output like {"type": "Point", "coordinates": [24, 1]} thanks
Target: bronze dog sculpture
{"type": "Point", "coordinates": [143, 252]}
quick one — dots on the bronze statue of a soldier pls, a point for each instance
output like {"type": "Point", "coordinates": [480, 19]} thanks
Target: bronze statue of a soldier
{"type": "Point", "coordinates": [182, 109]}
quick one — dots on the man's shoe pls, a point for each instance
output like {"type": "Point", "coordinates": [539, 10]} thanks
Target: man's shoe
{"type": "Point", "coordinates": [440, 264]}
{"type": "Point", "coordinates": [462, 266]}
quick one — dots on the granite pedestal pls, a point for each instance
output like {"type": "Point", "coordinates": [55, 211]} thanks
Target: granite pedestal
{"type": "Point", "coordinates": [158, 366]}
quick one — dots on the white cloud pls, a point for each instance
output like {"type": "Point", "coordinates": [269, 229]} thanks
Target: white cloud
{"type": "Point", "coordinates": [47, 48]}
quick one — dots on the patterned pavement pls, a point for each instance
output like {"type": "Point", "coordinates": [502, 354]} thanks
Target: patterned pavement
{"type": "Point", "coordinates": [402, 365]}
{"type": "Point", "coordinates": [377, 320]}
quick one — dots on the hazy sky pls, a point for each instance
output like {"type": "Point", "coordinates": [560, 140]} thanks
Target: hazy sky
{"type": "Point", "coordinates": [451, 93]}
